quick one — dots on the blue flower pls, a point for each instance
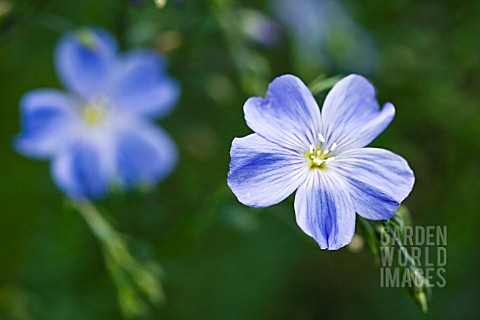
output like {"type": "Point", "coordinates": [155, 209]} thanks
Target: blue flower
{"type": "Point", "coordinates": [101, 132]}
{"type": "Point", "coordinates": [323, 32]}
{"type": "Point", "coordinates": [321, 156]}
{"type": "Point", "coordinates": [258, 27]}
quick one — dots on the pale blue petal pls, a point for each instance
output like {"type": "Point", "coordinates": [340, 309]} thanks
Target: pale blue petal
{"type": "Point", "coordinates": [80, 172]}
{"type": "Point", "coordinates": [83, 60]}
{"type": "Point", "coordinates": [351, 114]}
{"type": "Point", "coordinates": [288, 116]}
{"type": "Point", "coordinates": [48, 118]}
{"type": "Point", "coordinates": [379, 180]}
{"type": "Point", "coordinates": [262, 173]}
{"type": "Point", "coordinates": [324, 210]}
{"type": "Point", "coordinates": [139, 84]}
{"type": "Point", "coordinates": [145, 154]}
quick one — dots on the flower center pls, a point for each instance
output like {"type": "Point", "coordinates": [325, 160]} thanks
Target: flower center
{"type": "Point", "coordinates": [319, 155]}
{"type": "Point", "coordinates": [93, 114]}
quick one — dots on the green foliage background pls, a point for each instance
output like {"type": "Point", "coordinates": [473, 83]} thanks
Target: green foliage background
{"type": "Point", "coordinates": [223, 260]}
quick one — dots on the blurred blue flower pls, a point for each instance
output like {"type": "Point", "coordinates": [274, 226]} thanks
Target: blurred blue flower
{"type": "Point", "coordinates": [323, 34]}
{"type": "Point", "coordinates": [101, 132]}
{"type": "Point", "coordinates": [321, 155]}
{"type": "Point", "coordinates": [259, 27]}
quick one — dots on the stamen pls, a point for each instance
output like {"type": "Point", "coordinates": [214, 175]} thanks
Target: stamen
{"type": "Point", "coordinates": [319, 156]}
{"type": "Point", "coordinates": [329, 159]}
{"type": "Point", "coordinates": [93, 114]}
{"type": "Point", "coordinates": [95, 111]}
{"type": "Point", "coordinates": [321, 138]}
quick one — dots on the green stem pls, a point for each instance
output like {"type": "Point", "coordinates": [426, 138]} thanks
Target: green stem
{"type": "Point", "coordinates": [401, 247]}
{"type": "Point", "coordinates": [421, 292]}
{"type": "Point", "coordinates": [370, 236]}
{"type": "Point", "coordinates": [101, 228]}
{"type": "Point", "coordinates": [133, 279]}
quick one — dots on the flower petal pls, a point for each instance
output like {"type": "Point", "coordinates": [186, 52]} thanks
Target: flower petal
{"type": "Point", "coordinates": [145, 154]}
{"type": "Point", "coordinates": [262, 173]}
{"type": "Point", "coordinates": [351, 114]}
{"type": "Point", "coordinates": [139, 84]}
{"type": "Point", "coordinates": [80, 172]}
{"type": "Point", "coordinates": [324, 210]}
{"type": "Point", "coordinates": [379, 180]}
{"type": "Point", "coordinates": [48, 121]}
{"type": "Point", "coordinates": [288, 116]}
{"type": "Point", "coordinates": [83, 60]}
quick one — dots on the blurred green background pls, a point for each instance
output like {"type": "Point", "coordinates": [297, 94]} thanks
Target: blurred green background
{"type": "Point", "coordinates": [223, 260]}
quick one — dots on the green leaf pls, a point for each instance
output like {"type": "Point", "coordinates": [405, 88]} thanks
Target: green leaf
{"type": "Point", "coordinates": [321, 83]}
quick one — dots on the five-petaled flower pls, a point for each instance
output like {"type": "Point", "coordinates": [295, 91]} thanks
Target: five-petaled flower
{"type": "Point", "coordinates": [101, 132]}
{"type": "Point", "coordinates": [321, 156]}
